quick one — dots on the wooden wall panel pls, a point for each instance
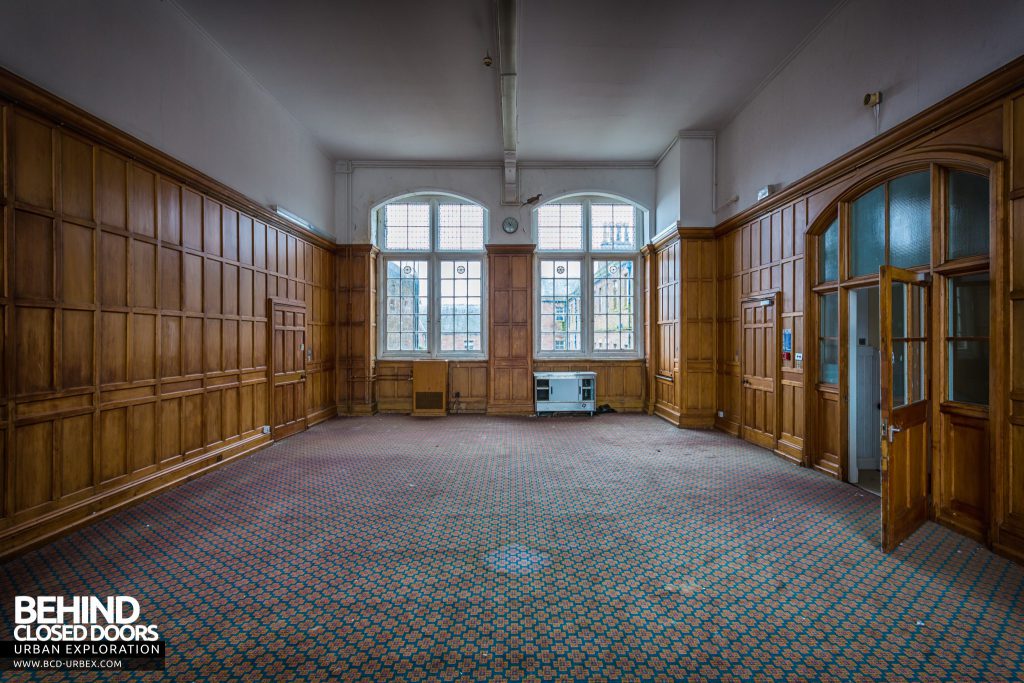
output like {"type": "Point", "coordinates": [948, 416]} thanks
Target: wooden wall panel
{"type": "Point", "coordinates": [467, 379]}
{"type": "Point", "coordinates": [356, 277]}
{"type": "Point", "coordinates": [394, 386]}
{"type": "Point", "coordinates": [695, 390]}
{"type": "Point", "coordinates": [620, 383]}
{"type": "Point", "coordinates": [825, 457]}
{"type": "Point", "coordinates": [651, 278]}
{"type": "Point", "coordinates": [1007, 524]}
{"type": "Point", "coordinates": [962, 493]}
{"type": "Point", "coordinates": [32, 453]}
{"type": "Point", "coordinates": [135, 309]}
{"type": "Point", "coordinates": [33, 167]}
{"type": "Point", "coordinates": [510, 301]}
{"type": "Point", "coordinates": [728, 365]}
{"type": "Point", "coordinates": [763, 258]}
{"type": "Point", "coordinates": [76, 454]}
{"type": "Point", "coordinates": [666, 329]}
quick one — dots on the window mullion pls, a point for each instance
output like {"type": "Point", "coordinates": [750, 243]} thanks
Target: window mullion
{"type": "Point", "coordinates": [433, 307]}
{"type": "Point", "coordinates": [588, 282]}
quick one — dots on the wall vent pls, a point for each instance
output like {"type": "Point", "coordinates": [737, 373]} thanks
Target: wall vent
{"type": "Point", "coordinates": [428, 400]}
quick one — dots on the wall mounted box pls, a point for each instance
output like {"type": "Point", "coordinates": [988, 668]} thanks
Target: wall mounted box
{"type": "Point", "coordinates": [430, 388]}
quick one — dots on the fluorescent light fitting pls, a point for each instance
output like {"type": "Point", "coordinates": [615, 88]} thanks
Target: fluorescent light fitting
{"type": "Point", "coordinates": [294, 218]}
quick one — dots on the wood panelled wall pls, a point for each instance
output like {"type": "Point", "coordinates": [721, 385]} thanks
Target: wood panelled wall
{"type": "Point", "coordinates": [510, 302]}
{"type": "Point", "coordinates": [697, 328]}
{"type": "Point", "coordinates": [664, 350]}
{"type": "Point", "coordinates": [977, 480]}
{"type": "Point", "coordinates": [135, 317]}
{"type": "Point", "coordinates": [468, 379]}
{"type": "Point", "coordinates": [762, 258]}
{"type": "Point", "coordinates": [682, 266]}
{"type": "Point", "coordinates": [1008, 470]}
{"type": "Point", "coordinates": [620, 384]}
{"type": "Point", "coordinates": [357, 329]}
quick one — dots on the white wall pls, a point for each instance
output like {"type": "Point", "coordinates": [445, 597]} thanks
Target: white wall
{"type": "Point", "coordinates": [668, 188]}
{"type": "Point", "coordinates": [916, 52]}
{"type": "Point", "coordinates": [146, 68]}
{"type": "Point", "coordinates": [367, 184]}
{"type": "Point", "coordinates": [697, 180]}
{"type": "Point", "coordinates": [685, 183]}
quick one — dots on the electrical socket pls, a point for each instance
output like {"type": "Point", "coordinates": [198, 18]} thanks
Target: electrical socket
{"type": "Point", "coordinates": [266, 429]}
{"type": "Point", "coordinates": [721, 413]}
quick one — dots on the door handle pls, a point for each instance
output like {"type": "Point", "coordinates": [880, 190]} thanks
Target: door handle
{"type": "Point", "coordinates": [892, 431]}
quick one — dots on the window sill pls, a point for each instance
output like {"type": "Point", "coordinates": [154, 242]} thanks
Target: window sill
{"type": "Point", "coordinates": [591, 358]}
{"type": "Point", "coordinates": [409, 359]}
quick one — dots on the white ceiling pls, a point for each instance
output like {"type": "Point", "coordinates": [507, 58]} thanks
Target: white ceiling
{"type": "Point", "coordinates": [599, 80]}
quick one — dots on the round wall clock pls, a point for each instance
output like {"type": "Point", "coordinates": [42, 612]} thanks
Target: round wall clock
{"type": "Point", "coordinates": [510, 225]}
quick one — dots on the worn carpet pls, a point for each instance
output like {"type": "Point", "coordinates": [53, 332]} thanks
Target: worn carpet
{"type": "Point", "coordinates": [470, 548]}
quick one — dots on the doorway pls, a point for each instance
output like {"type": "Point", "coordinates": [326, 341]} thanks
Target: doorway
{"type": "Point", "coordinates": [864, 447]}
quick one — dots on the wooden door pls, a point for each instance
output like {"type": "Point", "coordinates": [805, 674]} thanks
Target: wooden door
{"type": "Point", "coordinates": [759, 368]}
{"type": "Point", "coordinates": [287, 367]}
{"type": "Point", "coordinates": [903, 306]}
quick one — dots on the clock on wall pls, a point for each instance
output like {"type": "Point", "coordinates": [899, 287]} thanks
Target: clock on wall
{"type": "Point", "coordinates": [510, 225]}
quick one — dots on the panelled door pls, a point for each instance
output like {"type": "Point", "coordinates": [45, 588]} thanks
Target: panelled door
{"type": "Point", "coordinates": [287, 367]}
{"type": "Point", "coordinates": [903, 307]}
{"type": "Point", "coordinates": [759, 368]}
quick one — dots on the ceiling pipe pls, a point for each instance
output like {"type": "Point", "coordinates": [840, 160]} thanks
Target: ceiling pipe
{"type": "Point", "coordinates": [508, 30]}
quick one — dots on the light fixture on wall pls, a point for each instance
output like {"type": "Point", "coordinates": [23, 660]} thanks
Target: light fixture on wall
{"type": "Point", "coordinates": [294, 218]}
{"type": "Point", "coordinates": [487, 59]}
{"type": "Point", "coordinates": [874, 100]}
{"type": "Point", "coordinates": [532, 200]}
{"type": "Point", "coordinates": [731, 200]}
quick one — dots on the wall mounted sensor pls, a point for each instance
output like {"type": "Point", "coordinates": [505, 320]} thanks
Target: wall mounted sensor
{"type": "Point", "coordinates": [873, 99]}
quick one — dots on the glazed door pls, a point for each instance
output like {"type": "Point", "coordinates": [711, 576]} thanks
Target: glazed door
{"type": "Point", "coordinates": [759, 367]}
{"type": "Point", "coordinates": [287, 367]}
{"type": "Point", "coordinates": [903, 306]}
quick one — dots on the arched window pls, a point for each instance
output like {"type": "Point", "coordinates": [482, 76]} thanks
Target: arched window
{"type": "Point", "coordinates": [432, 277]}
{"type": "Point", "coordinates": [892, 224]}
{"type": "Point", "coordinates": [587, 274]}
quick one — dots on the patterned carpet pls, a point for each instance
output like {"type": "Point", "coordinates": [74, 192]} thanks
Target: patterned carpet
{"type": "Point", "coordinates": [472, 548]}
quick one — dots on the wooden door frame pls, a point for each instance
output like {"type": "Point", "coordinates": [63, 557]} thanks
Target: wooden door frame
{"type": "Point", "coordinates": [844, 293]}
{"type": "Point", "coordinates": [776, 297]}
{"type": "Point", "coordinates": [272, 305]}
